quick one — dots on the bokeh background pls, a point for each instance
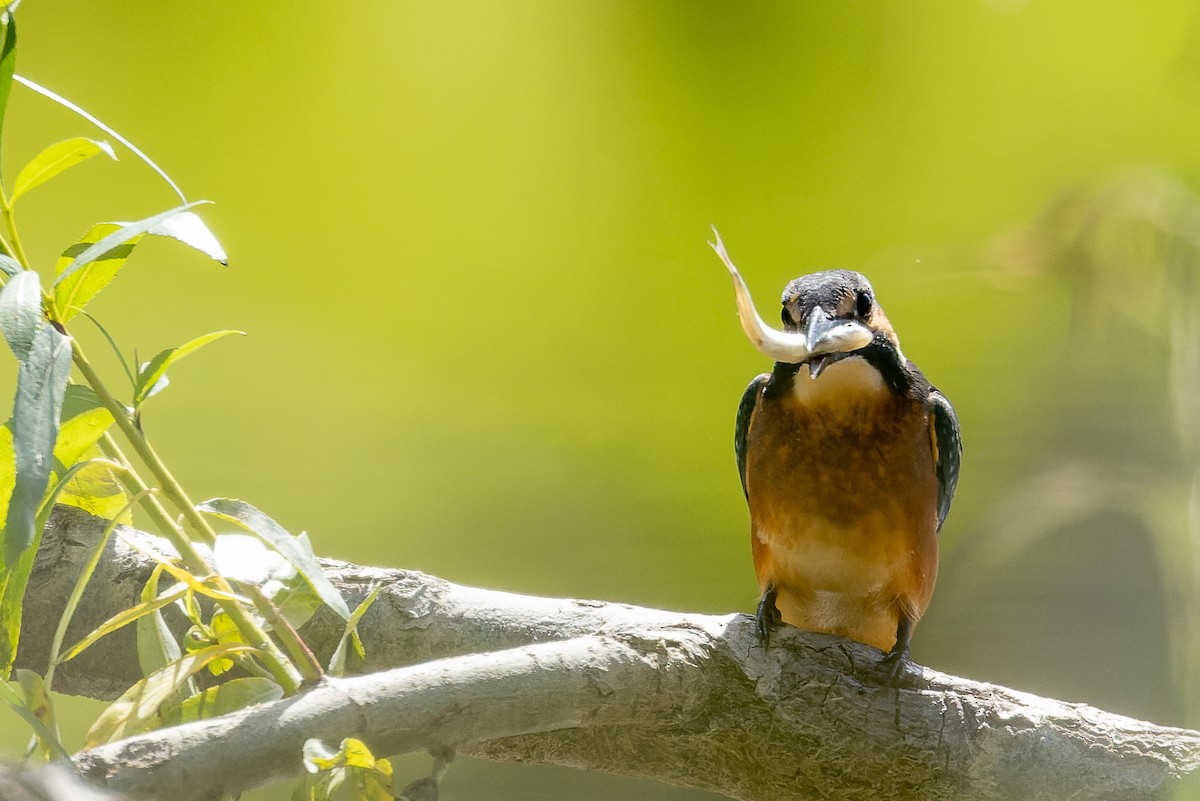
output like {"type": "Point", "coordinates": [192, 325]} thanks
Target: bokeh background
{"type": "Point", "coordinates": [487, 338]}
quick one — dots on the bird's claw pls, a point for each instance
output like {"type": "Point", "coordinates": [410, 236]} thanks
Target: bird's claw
{"type": "Point", "coordinates": [767, 617]}
{"type": "Point", "coordinates": [894, 665]}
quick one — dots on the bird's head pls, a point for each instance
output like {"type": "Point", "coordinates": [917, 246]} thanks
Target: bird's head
{"type": "Point", "coordinates": [836, 313]}
{"type": "Point", "coordinates": [827, 316]}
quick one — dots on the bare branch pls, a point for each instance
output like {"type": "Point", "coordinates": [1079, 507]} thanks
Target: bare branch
{"type": "Point", "coordinates": [686, 699]}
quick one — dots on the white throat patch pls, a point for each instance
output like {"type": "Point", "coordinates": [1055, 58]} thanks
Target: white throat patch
{"type": "Point", "coordinates": [849, 376]}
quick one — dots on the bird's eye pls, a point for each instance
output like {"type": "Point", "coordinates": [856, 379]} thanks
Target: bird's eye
{"type": "Point", "coordinates": [865, 301]}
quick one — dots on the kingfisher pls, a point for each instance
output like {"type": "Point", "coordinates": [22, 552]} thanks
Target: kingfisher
{"type": "Point", "coordinates": [848, 459]}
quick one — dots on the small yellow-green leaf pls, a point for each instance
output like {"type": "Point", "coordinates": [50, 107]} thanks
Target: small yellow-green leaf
{"type": "Point", "coordinates": [74, 292]}
{"type": "Point", "coordinates": [124, 618]}
{"type": "Point", "coordinates": [96, 490]}
{"type": "Point", "coordinates": [218, 667]}
{"type": "Point", "coordinates": [37, 700]}
{"type": "Point", "coordinates": [136, 709]}
{"type": "Point", "coordinates": [19, 704]}
{"type": "Point", "coordinates": [155, 643]}
{"type": "Point", "coordinates": [376, 785]}
{"type": "Point", "coordinates": [151, 373]}
{"type": "Point", "coordinates": [226, 631]}
{"type": "Point", "coordinates": [355, 754]}
{"type": "Point", "coordinates": [56, 158]}
{"type": "Point", "coordinates": [337, 663]}
{"type": "Point", "coordinates": [84, 420]}
{"type": "Point", "coordinates": [225, 698]}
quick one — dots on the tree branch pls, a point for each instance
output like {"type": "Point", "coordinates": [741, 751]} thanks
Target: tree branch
{"type": "Point", "coordinates": [686, 699]}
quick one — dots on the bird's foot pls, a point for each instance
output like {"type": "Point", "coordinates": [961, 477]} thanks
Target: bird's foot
{"type": "Point", "coordinates": [767, 617]}
{"type": "Point", "coordinates": [894, 665]}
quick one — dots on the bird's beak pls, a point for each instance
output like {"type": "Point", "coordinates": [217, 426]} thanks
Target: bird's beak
{"type": "Point", "coordinates": [829, 335]}
{"type": "Point", "coordinates": [826, 336]}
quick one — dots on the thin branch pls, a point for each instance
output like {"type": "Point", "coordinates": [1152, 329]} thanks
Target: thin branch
{"type": "Point", "coordinates": [686, 699]}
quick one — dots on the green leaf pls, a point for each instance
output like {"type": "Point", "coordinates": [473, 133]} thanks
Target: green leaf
{"type": "Point", "coordinates": [75, 291]}
{"type": "Point", "coordinates": [189, 229]}
{"type": "Point", "coordinates": [37, 701]}
{"type": "Point", "coordinates": [337, 663]}
{"type": "Point", "coordinates": [295, 598]}
{"type": "Point", "coordinates": [41, 386]}
{"type": "Point", "coordinates": [226, 632]}
{"type": "Point", "coordinates": [12, 597]}
{"type": "Point", "coordinates": [119, 237]}
{"type": "Point", "coordinates": [79, 399]}
{"type": "Point", "coordinates": [124, 618]}
{"type": "Point", "coordinates": [91, 486]}
{"type": "Point", "coordinates": [84, 420]}
{"type": "Point", "coordinates": [8, 470]}
{"type": "Point", "coordinates": [96, 489]}
{"type": "Point", "coordinates": [25, 473]}
{"type": "Point", "coordinates": [8, 62]}
{"type": "Point", "coordinates": [54, 159]}
{"type": "Point", "coordinates": [21, 312]}
{"type": "Point", "coordinates": [156, 644]}
{"type": "Point", "coordinates": [312, 788]}
{"type": "Point", "coordinates": [51, 497]}
{"type": "Point", "coordinates": [10, 266]}
{"type": "Point", "coordinates": [352, 767]}
{"type": "Point", "coordinates": [287, 546]}
{"type": "Point", "coordinates": [155, 370]}
{"type": "Point", "coordinates": [12, 585]}
{"type": "Point", "coordinates": [20, 705]}
{"type": "Point", "coordinates": [228, 697]}
{"type": "Point", "coordinates": [136, 709]}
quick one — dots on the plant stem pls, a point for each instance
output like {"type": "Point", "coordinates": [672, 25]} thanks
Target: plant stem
{"type": "Point", "coordinates": [275, 661]}
{"type": "Point", "coordinates": [302, 656]}
{"type": "Point", "coordinates": [167, 483]}
{"type": "Point", "coordinates": [135, 486]}
{"type": "Point", "coordinates": [8, 251]}
{"type": "Point", "coordinates": [13, 244]}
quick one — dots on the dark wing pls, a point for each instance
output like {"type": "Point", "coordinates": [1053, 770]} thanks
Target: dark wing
{"type": "Point", "coordinates": [744, 414]}
{"type": "Point", "coordinates": [948, 438]}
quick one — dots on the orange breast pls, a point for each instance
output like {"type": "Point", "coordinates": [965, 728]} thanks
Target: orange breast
{"type": "Point", "coordinates": [843, 498]}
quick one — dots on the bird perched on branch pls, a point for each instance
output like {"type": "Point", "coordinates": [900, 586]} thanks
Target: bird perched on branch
{"type": "Point", "coordinates": [848, 458]}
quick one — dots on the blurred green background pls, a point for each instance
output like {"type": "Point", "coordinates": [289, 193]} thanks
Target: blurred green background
{"type": "Point", "coordinates": [488, 340]}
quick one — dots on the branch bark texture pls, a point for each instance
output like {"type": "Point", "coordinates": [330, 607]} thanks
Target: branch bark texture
{"type": "Point", "coordinates": [686, 699]}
